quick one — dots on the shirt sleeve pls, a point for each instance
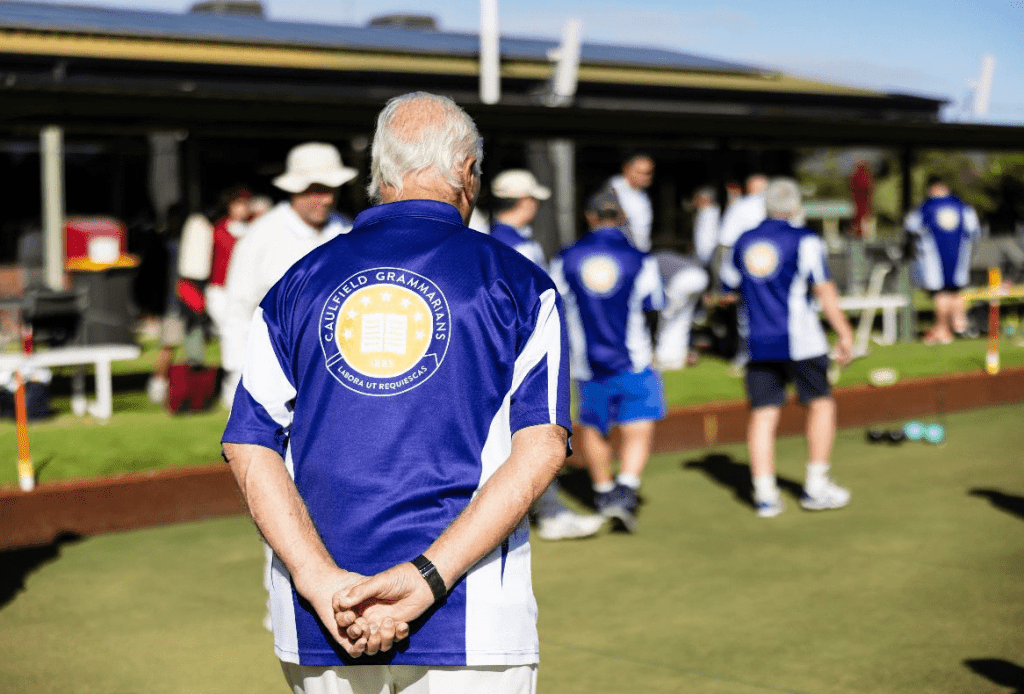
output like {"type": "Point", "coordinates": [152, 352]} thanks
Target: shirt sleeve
{"type": "Point", "coordinates": [262, 410]}
{"type": "Point", "coordinates": [729, 275]}
{"type": "Point", "coordinates": [812, 259]}
{"type": "Point", "coordinates": [650, 285]}
{"type": "Point", "coordinates": [971, 224]}
{"type": "Point", "coordinates": [914, 222]}
{"type": "Point", "coordinates": [242, 292]}
{"type": "Point", "coordinates": [540, 378]}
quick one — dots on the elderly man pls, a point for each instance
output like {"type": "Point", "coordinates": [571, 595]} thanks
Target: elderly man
{"type": "Point", "coordinates": [943, 229]}
{"type": "Point", "coordinates": [777, 267]}
{"type": "Point", "coordinates": [405, 399]}
{"type": "Point", "coordinates": [607, 284]}
{"type": "Point", "coordinates": [277, 239]}
{"type": "Point", "coordinates": [630, 189]}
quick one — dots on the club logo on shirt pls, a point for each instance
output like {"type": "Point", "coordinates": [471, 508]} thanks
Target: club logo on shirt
{"type": "Point", "coordinates": [385, 331]}
{"type": "Point", "coordinates": [948, 218]}
{"type": "Point", "coordinates": [600, 274]}
{"type": "Point", "coordinates": [761, 260]}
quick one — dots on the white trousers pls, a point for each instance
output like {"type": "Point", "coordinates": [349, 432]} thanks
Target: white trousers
{"type": "Point", "coordinates": [410, 679]}
{"type": "Point", "coordinates": [681, 296]}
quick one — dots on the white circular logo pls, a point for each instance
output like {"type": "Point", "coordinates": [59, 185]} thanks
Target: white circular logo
{"type": "Point", "coordinates": [948, 218]}
{"type": "Point", "coordinates": [384, 331]}
{"type": "Point", "coordinates": [600, 274]}
{"type": "Point", "coordinates": [761, 260]}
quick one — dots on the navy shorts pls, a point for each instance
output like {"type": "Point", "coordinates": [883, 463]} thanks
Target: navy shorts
{"type": "Point", "coordinates": [766, 381]}
{"type": "Point", "coordinates": [628, 397]}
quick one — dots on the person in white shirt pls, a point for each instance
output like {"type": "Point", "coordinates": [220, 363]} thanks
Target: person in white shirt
{"type": "Point", "coordinates": [705, 224]}
{"type": "Point", "coordinates": [274, 242]}
{"type": "Point", "coordinates": [630, 190]}
{"type": "Point", "coordinates": [744, 214]}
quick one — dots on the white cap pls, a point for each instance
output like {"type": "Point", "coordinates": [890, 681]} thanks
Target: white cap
{"type": "Point", "coordinates": [518, 183]}
{"type": "Point", "coordinates": [313, 162]}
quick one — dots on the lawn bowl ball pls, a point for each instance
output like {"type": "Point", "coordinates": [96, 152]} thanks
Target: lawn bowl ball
{"type": "Point", "coordinates": [895, 436]}
{"type": "Point", "coordinates": [935, 433]}
{"type": "Point", "coordinates": [914, 430]}
{"type": "Point", "coordinates": [883, 376]}
{"type": "Point", "coordinates": [875, 435]}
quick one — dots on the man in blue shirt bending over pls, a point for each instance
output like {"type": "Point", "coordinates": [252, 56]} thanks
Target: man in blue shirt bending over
{"type": "Point", "coordinates": [778, 268]}
{"type": "Point", "coordinates": [607, 283]}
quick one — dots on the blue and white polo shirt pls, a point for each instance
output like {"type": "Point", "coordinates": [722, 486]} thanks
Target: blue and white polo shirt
{"type": "Point", "coordinates": [774, 266]}
{"type": "Point", "coordinates": [607, 284]}
{"type": "Point", "coordinates": [390, 368]}
{"type": "Point", "coordinates": [522, 240]}
{"type": "Point", "coordinates": [944, 229]}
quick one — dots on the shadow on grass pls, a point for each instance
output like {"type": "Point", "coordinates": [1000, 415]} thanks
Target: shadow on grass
{"type": "Point", "coordinates": [998, 671]}
{"type": "Point", "coordinates": [1011, 503]}
{"type": "Point", "coordinates": [725, 471]}
{"type": "Point", "coordinates": [17, 564]}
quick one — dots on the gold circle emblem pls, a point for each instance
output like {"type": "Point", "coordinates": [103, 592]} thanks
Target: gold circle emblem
{"type": "Point", "coordinates": [384, 330]}
{"type": "Point", "coordinates": [761, 259]}
{"type": "Point", "coordinates": [600, 274]}
{"type": "Point", "coordinates": [947, 218]}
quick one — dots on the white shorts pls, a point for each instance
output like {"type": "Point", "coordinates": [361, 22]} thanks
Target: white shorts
{"type": "Point", "coordinates": [410, 679]}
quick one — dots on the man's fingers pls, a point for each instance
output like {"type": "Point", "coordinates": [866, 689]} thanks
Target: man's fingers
{"type": "Point", "coordinates": [373, 587]}
{"type": "Point", "coordinates": [373, 640]}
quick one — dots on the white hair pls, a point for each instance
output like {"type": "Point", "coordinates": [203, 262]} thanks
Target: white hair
{"type": "Point", "coordinates": [441, 145]}
{"type": "Point", "coordinates": [782, 198]}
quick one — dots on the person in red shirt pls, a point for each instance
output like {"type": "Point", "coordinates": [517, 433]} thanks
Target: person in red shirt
{"type": "Point", "coordinates": [226, 233]}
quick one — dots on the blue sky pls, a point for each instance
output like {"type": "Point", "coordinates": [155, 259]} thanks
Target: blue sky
{"type": "Point", "coordinates": [908, 46]}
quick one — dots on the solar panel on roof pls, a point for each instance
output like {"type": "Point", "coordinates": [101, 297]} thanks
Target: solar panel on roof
{"type": "Point", "coordinates": [98, 20]}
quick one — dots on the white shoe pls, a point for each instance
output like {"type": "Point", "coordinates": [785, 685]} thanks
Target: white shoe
{"type": "Point", "coordinates": [566, 525]}
{"type": "Point", "coordinates": [156, 389]}
{"type": "Point", "coordinates": [769, 509]}
{"type": "Point", "coordinates": [829, 495]}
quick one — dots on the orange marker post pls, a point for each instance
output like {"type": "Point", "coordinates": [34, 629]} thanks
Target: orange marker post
{"type": "Point", "coordinates": [26, 473]}
{"type": "Point", "coordinates": [992, 355]}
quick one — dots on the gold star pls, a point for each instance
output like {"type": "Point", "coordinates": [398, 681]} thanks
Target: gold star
{"type": "Point", "coordinates": [365, 300]}
{"type": "Point", "coordinates": [405, 302]}
{"type": "Point", "coordinates": [352, 314]}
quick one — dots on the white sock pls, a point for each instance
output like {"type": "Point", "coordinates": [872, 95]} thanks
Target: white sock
{"type": "Point", "coordinates": [604, 487]}
{"type": "Point", "coordinates": [817, 476]}
{"type": "Point", "coordinates": [765, 488]}
{"type": "Point", "coordinates": [628, 480]}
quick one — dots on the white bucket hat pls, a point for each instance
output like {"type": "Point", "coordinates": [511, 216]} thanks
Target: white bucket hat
{"type": "Point", "coordinates": [313, 162]}
{"type": "Point", "coordinates": [518, 183]}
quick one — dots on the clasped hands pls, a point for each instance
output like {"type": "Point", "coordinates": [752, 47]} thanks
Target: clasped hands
{"type": "Point", "coordinates": [369, 614]}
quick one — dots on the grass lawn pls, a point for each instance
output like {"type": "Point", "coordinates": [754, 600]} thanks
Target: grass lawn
{"type": "Point", "coordinates": [916, 587]}
{"type": "Point", "coordinates": [142, 436]}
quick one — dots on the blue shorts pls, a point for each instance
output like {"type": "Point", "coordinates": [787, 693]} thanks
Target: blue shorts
{"type": "Point", "coordinates": [766, 381]}
{"type": "Point", "coordinates": [628, 397]}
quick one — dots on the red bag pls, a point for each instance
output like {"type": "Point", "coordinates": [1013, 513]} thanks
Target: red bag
{"type": "Point", "coordinates": [192, 388]}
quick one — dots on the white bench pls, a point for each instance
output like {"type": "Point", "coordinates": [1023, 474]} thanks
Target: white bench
{"type": "Point", "coordinates": [888, 304]}
{"type": "Point", "coordinates": [100, 356]}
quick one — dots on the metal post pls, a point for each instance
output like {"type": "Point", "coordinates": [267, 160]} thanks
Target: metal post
{"type": "Point", "coordinates": [490, 53]}
{"type": "Point", "coordinates": [51, 150]}
{"type": "Point", "coordinates": [563, 161]}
